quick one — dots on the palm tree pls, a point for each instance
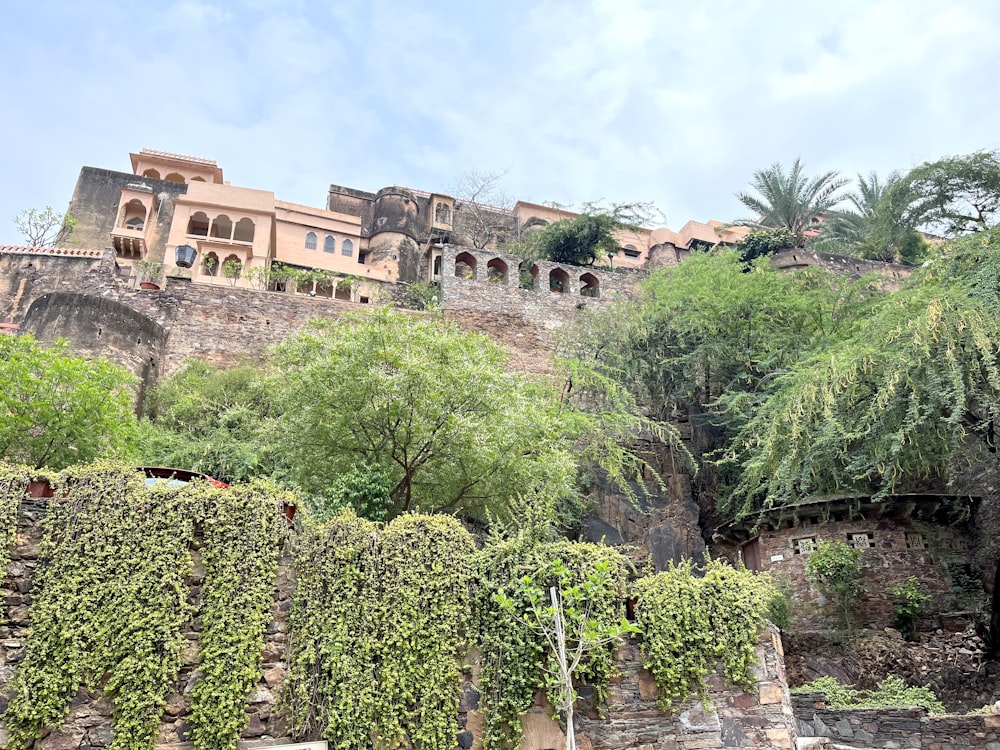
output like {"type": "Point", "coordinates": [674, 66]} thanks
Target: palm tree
{"type": "Point", "coordinates": [875, 226]}
{"type": "Point", "coordinates": [793, 200]}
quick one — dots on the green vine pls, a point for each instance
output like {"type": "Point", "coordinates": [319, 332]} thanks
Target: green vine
{"type": "Point", "coordinates": [110, 604]}
{"type": "Point", "coordinates": [693, 619]}
{"type": "Point", "coordinates": [243, 532]}
{"type": "Point", "coordinates": [377, 623]}
{"type": "Point", "coordinates": [331, 672]}
{"type": "Point", "coordinates": [13, 484]}
{"type": "Point", "coordinates": [516, 660]}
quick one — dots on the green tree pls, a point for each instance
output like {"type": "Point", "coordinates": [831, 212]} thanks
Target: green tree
{"type": "Point", "coordinates": [876, 225]}
{"type": "Point", "coordinates": [587, 237]}
{"type": "Point", "coordinates": [57, 409]}
{"type": "Point", "coordinates": [897, 400]}
{"type": "Point", "coordinates": [955, 195]}
{"type": "Point", "coordinates": [765, 242]}
{"type": "Point", "coordinates": [833, 567]}
{"type": "Point", "coordinates": [211, 420]}
{"type": "Point", "coordinates": [429, 406]}
{"type": "Point", "coordinates": [791, 199]}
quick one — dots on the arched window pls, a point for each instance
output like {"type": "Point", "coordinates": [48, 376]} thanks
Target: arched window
{"type": "Point", "coordinates": [198, 224]}
{"type": "Point", "coordinates": [174, 177]}
{"type": "Point", "coordinates": [347, 249]}
{"type": "Point", "coordinates": [528, 275]}
{"type": "Point", "coordinates": [311, 241]}
{"type": "Point", "coordinates": [329, 244]}
{"type": "Point", "coordinates": [442, 213]}
{"type": "Point", "coordinates": [558, 280]}
{"type": "Point", "coordinates": [222, 227]}
{"type": "Point", "coordinates": [496, 270]}
{"type": "Point", "coordinates": [436, 271]}
{"type": "Point", "coordinates": [465, 266]}
{"type": "Point", "coordinates": [590, 286]}
{"type": "Point", "coordinates": [243, 231]}
{"type": "Point", "coordinates": [210, 265]}
{"type": "Point", "coordinates": [133, 215]}
{"type": "Point", "coordinates": [151, 173]}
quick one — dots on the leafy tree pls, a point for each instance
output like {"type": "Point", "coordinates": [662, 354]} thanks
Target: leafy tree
{"type": "Point", "coordinates": [834, 567]}
{"type": "Point", "coordinates": [45, 227]}
{"type": "Point", "coordinates": [57, 409]}
{"type": "Point", "coordinates": [565, 616]}
{"type": "Point", "coordinates": [424, 403]}
{"type": "Point", "coordinates": [877, 224]}
{"type": "Point", "coordinates": [211, 420]}
{"type": "Point", "coordinates": [765, 242]}
{"type": "Point", "coordinates": [587, 237]}
{"type": "Point", "coordinates": [955, 195]}
{"type": "Point", "coordinates": [896, 401]}
{"type": "Point", "coordinates": [791, 200]}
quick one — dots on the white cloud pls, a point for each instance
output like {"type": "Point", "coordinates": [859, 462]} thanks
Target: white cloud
{"type": "Point", "coordinates": [614, 99]}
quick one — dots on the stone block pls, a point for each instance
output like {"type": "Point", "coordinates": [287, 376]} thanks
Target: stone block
{"type": "Point", "coordinates": [779, 738]}
{"type": "Point", "coordinates": [769, 693]}
{"type": "Point", "coordinates": [647, 686]}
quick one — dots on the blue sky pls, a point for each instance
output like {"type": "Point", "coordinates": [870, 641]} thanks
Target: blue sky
{"type": "Point", "coordinates": [616, 100]}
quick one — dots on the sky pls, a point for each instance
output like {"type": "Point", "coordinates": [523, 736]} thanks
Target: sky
{"type": "Point", "coordinates": [669, 101]}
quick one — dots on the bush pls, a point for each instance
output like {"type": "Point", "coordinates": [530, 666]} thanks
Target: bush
{"type": "Point", "coordinates": [908, 602]}
{"type": "Point", "coordinates": [892, 692]}
{"type": "Point", "coordinates": [833, 567]}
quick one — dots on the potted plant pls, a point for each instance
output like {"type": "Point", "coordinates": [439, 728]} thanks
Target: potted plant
{"type": "Point", "coordinates": [148, 270]}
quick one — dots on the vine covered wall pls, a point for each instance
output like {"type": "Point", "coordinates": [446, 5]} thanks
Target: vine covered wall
{"type": "Point", "coordinates": [190, 640]}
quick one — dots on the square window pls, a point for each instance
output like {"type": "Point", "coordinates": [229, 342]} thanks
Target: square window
{"type": "Point", "coordinates": [804, 545]}
{"type": "Point", "coordinates": [861, 540]}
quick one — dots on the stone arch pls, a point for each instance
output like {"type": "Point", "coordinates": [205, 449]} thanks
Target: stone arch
{"type": "Point", "coordinates": [100, 327]}
{"type": "Point", "coordinates": [133, 215]}
{"type": "Point", "coordinates": [244, 230]}
{"type": "Point", "coordinates": [558, 280]}
{"type": "Point", "coordinates": [222, 227]}
{"type": "Point", "coordinates": [151, 173]}
{"type": "Point", "coordinates": [210, 264]}
{"type": "Point", "coordinates": [590, 285]}
{"type": "Point", "coordinates": [198, 224]}
{"type": "Point", "coordinates": [496, 270]}
{"type": "Point", "coordinates": [175, 177]}
{"type": "Point", "coordinates": [528, 275]}
{"type": "Point", "coordinates": [465, 266]}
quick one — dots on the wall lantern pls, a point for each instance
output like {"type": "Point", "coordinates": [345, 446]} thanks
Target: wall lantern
{"type": "Point", "coordinates": [185, 256]}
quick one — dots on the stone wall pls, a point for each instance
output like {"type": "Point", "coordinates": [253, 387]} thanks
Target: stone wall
{"type": "Point", "coordinates": [796, 258]}
{"type": "Point", "coordinates": [497, 290]}
{"type": "Point", "coordinates": [893, 548]}
{"type": "Point", "coordinates": [894, 727]}
{"type": "Point", "coordinates": [730, 718]}
{"type": "Point", "coordinates": [217, 323]}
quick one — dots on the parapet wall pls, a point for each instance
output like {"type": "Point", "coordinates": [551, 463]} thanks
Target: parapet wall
{"type": "Point", "coordinates": [490, 282]}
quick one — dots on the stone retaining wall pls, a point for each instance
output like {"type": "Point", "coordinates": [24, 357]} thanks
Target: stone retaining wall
{"type": "Point", "coordinates": [730, 718]}
{"type": "Point", "coordinates": [894, 727]}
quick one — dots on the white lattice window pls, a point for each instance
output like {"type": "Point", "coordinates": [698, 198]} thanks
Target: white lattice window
{"type": "Point", "coordinates": [861, 540]}
{"type": "Point", "coordinates": [804, 545]}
